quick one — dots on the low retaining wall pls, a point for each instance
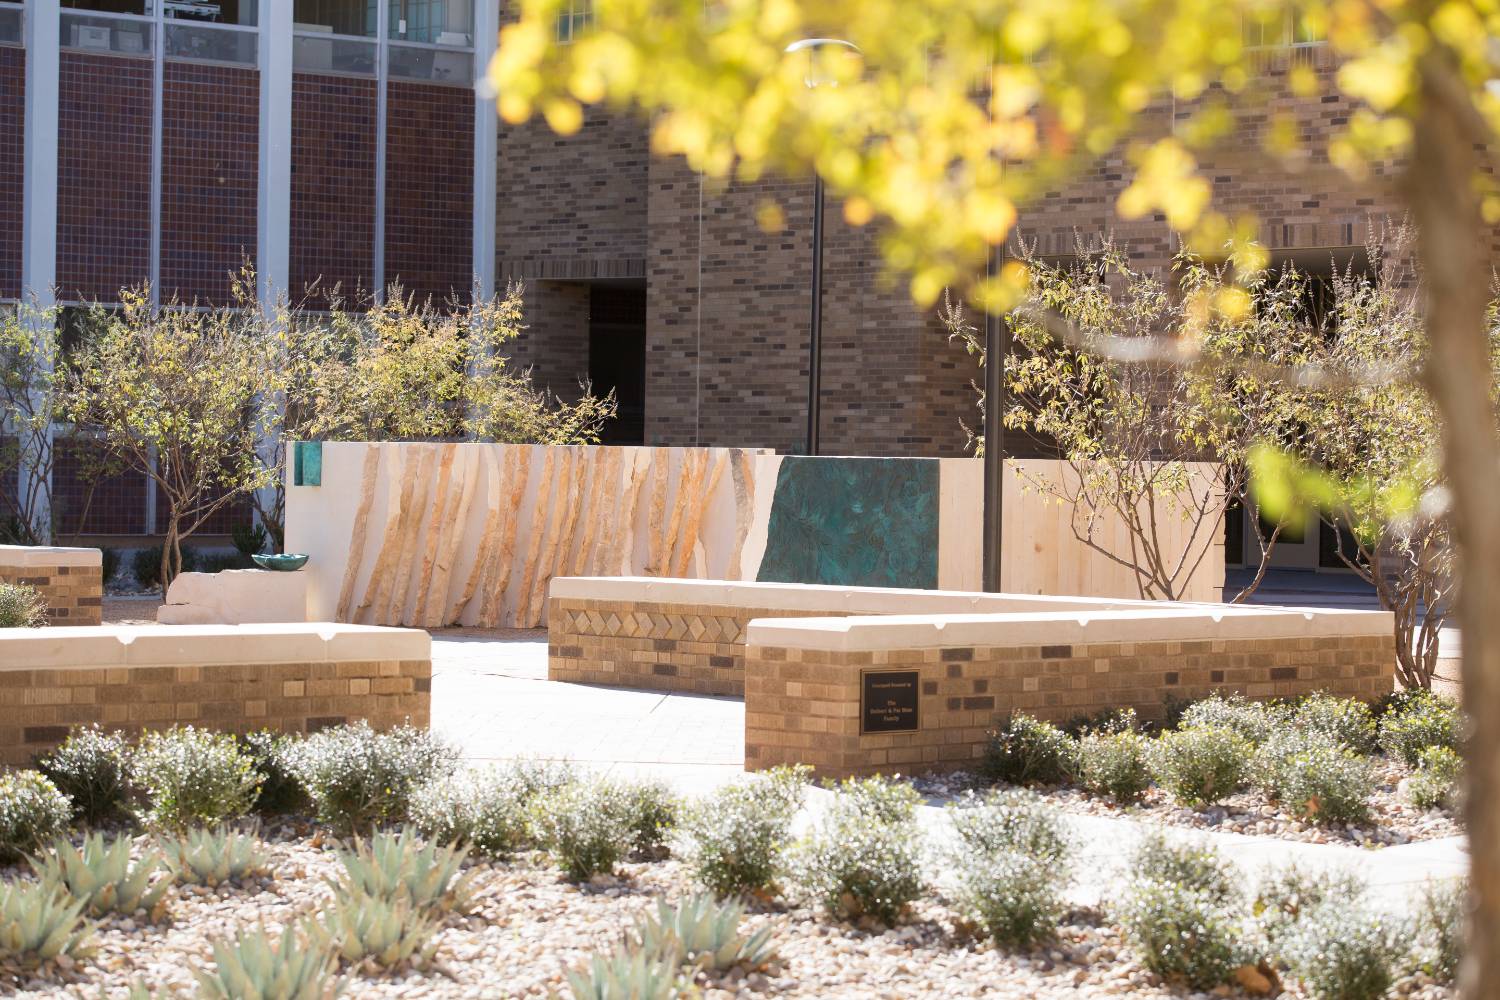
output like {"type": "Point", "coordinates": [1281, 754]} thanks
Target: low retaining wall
{"type": "Point", "coordinates": [292, 678]}
{"type": "Point", "coordinates": [70, 579]}
{"type": "Point", "coordinates": [689, 635]}
{"type": "Point", "coordinates": [917, 693]}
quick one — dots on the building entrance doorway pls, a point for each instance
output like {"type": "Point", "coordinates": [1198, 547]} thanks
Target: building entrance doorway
{"type": "Point", "coordinates": [617, 357]}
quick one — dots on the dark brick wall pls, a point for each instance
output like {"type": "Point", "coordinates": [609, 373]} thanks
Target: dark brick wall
{"type": "Point", "coordinates": [333, 183]}
{"type": "Point", "coordinates": [117, 505]}
{"type": "Point", "coordinates": [429, 190]}
{"type": "Point", "coordinates": [104, 175]}
{"type": "Point", "coordinates": [12, 166]}
{"type": "Point", "coordinates": [210, 143]}
{"type": "Point", "coordinates": [555, 343]}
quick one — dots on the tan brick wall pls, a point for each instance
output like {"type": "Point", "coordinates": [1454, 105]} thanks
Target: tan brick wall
{"type": "Point", "coordinates": [37, 707]}
{"type": "Point", "coordinates": [803, 706]}
{"type": "Point", "coordinates": [75, 594]}
{"type": "Point", "coordinates": [660, 647]}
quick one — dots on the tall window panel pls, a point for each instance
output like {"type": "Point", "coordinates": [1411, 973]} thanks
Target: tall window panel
{"type": "Point", "coordinates": [429, 189]}
{"type": "Point", "coordinates": [12, 149]}
{"type": "Point", "coordinates": [333, 186]}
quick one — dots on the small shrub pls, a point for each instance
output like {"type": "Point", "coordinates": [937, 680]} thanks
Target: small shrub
{"type": "Point", "coordinates": [1346, 721]}
{"type": "Point", "coordinates": [357, 777]}
{"type": "Point", "coordinates": [1190, 864]}
{"type": "Point", "coordinates": [145, 566]}
{"type": "Point", "coordinates": [1027, 751]}
{"type": "Point", "coordinates": [248, 539]}
{"type": "Point", "coordinates": [1441, 917]}
{"type": "Point", "coordinates": [39, 923]}
{"type": "Point", "coordinates": [22, 606]}
{"type": "Point", "coordinates": [1182, 933]}
{"type": "Point", "coordinates": [1341, 951]}
{"type": "Point", "coordinates": [280, 791]}
{"type": "Point", "coordinates": [1315, 778]}
{"type": "Point", "coordinates": [632, 973]}
{"type": "Point", "coordinates": [32, 813]}
{"type": "Point", "coordinates": [863, 859]}
{"type": "Point", "coordinates": [101, 875]}
{"type": "Point", "coordinates": [1201, 765]}
{"type": "Point", "coordinates": [1421, 721]}
{"type": "Point", "coordinates": [1011, 821]}
{"type": "Point", "coordinates": [535, 775]}
{"type": "Point", "coordinates": [253, 967]}
{"type": "Point", "coordinates": [653, 810]}
{"type": "Point", "coordinates": [1252, 720]}
{"type": "Point", "coordinates": [1286, 895]}
{"type": "Point", "coordinates": [1437, 780]}
{"type": "Point", "coordinates": [733, 840]}
{"type": "Point", "coordinates": [192, 777]}
{"type": "Point", "coordinates": [1106, 720]}
{"type": "Point", "coordinates": [484, 809]}
{"type": "Point", "coordinates": [1114, 764]}
{"type": "Point", "coordinates": [91, 767]}
{"type": "Point", "coordinates": [1016, 898]}
{"type": "Point", "coordinates": [400, 867]}
{"type": "Point", "coordinates": [703, 932]}
{"type": "Point", "coordinates": [358, 927]}
{"type": "Point", "coordinates": [214, 857]}
{"type": "Point", "coordinates": [585, 826]}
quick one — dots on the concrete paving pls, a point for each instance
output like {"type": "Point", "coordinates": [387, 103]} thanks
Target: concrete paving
{"type": "Point", "coordinates": [491, 697]}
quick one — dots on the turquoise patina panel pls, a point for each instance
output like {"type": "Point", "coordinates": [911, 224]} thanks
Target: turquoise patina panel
{"type": "Point", "coordinates": [870, 522]}
{"type": "Point", "coordinates": [307, 463]}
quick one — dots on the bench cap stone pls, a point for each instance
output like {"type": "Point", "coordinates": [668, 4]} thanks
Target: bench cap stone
{"type": "Point", "coordinates": [208, 645]}
{"type": "Point", "coordinates": [49, 555]}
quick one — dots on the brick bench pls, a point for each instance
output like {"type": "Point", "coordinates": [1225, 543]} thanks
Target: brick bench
{"type": "Point", "coordinates": [917, 693]}
{"type": "Point", "coordinates": [70, 579]}
{"type": "Point", "coordinates": [292, 678]}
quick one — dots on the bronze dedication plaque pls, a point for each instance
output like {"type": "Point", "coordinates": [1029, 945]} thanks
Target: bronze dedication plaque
{"type": "Point", "coordinates": [888, 701]}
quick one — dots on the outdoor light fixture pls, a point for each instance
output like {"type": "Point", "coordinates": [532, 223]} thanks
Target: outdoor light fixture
{"type": "Point", "coordinates": [817, 75]}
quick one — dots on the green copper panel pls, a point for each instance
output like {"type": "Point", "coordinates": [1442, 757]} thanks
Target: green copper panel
{"type": "Point", "coordinates": [870, 522]}
{"type": "Point", "coordinates": [307, 463]}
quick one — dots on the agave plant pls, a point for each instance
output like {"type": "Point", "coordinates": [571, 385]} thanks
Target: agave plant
{"type": "Point", "coordinates": [40, 922]}
{"type": "Point", "coordinates": [101, 875]}
{"type": "Point", "coordinates": [358, 927]}
{"type": "Point", "coordinates": [213, 857]}
{"type": "Point", "coordinates": [628, 974]}
{"type": "Point", "coordinates": [253, 967]}
{"type": "Point", "coordinates": [400, 866]}
{"type": "Point", "coordinates": [138, 990]}
{"type": "Point", "coordinates": [704, 932]}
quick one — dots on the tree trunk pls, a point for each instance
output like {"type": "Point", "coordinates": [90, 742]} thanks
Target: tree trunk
{"type": "Point", "coordinates": [1440, 192]}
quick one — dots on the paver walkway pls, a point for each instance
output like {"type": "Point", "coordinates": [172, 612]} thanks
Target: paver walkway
{"type": "Point", "coordinates": [491, 697]}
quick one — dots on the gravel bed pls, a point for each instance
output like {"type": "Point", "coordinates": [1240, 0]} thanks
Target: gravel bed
{"type": "Point", "coordinates": [529, 925]}
{"type": "Point", "coordinates": [1395, 820]}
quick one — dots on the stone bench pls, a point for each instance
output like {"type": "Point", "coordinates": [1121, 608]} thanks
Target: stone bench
{"type": "Point", "coordinates": [235, 597]}
{"type": "Point", "coordinates": [914, 693]}
{"type": "Point", "coordinates": [689, 635]}
{"type": "Point", "coordinates": [70, 579]}
{"type": "Point", "coordinates": [292, 678]}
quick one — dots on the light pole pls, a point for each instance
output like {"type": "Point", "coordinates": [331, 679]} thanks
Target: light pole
{"type": "Point", "coordinates": [815, 47]}
{"type": "Point", "coordinates": [996, 347]}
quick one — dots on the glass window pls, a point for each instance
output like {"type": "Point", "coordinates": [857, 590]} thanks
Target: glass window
{"type": "Point", "coordinates": [574, 18]}
{"type": "Point", "coordinates": [437, 22]}
{"type": "Point", "coordinates": [336, 17]}
{"type": "Point", "coordinates": [213, 11]}
{"type": "Point", "coordinates": [10, 25]}
{"type": "Point", "coordinates": [121, 36]}
{"type": "Point", "coordinates": [110, 6]}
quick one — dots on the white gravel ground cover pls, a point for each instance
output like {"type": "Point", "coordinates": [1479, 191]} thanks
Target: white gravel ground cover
{"type": "Point", "coordinates": [528, 925]}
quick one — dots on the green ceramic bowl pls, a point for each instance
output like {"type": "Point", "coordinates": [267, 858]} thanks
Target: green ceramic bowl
{"type": "Point", "coordinates": [285, 562]}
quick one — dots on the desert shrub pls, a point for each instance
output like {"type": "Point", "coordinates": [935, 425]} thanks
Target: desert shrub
{"type": "Point", "coordinates": [1420, 721]}
{"type": "Point", "coordinates": [584, 825]}
{"type": "Point", "coordinates": [633, 972]}
{"type": "Point", "coordinates": [1201, 765]}
{"type": "Point", "coordinates": [1286, 894]}
{"type": "Point", "coordinates": [357, 777]}
{"type": "Point", "coordinates": [91, 767]}
{"type": "Point", "coordinates": [1106, 720]}
{"type": "Point", "coordinates": [1012, 821]}
{"type": "Point", "coordinates": [1114, 763]}
{"type": "Point", "coordinates": [1252, 720]}
{"type": "Point", "coordinates": [22, 606]}
{"type": "Point", "coordinates": [280, 791]}
{"type": "Point", "coordinates": [1441, 916]}
{"type": "Point", "coordinates": [101, 874]}
{"type": "Point", "coordinates": [255, 967]}
{"type": "Point", "coordinates": [863, 858]}
{"type": "Point", "coordinates": [1436, 783]}
{"type": "Point", "coordinates": [1189, 863]}
{"type": "Point", "coordinates": [32, 813]}
{"type": "Point", "coordinates": [1316, 778]}
{"type": "Point", "coordinates": [703, 932]}
{"type": "Point", "coordinates": [1344, 951]}
{"type": "Point", "coordinates": [733, 840]}
{"type": "Point", "coordinates": [1017, 899]}
{"type": "Point", "coordinates": [1181, 933]}
{"type": "Point", "coordinates": [533, 775]}
{"type": "Point", "coordinates": [145, 566]}
{"type": "Point", "coordinates": [1027, 751]}
{"type": "Point", "coordinates": [214, 857]}
{"type": "Point", "coordinates": [41, 923]}
{"type": "Point", "coordinates": [1346, 721]}
{"type": "Point", "coordinates": [192, 777]}
{"type": "Point", "coordinates": [400, 867]}
{"type": "Point", "coordinates": [653, 810]}
{"type": "Point", "coordinates": [371, 930]}
{"type": "Point", "coordinates": [484, 809]}
{"type": "Point", "coordinates": [109, 565]}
